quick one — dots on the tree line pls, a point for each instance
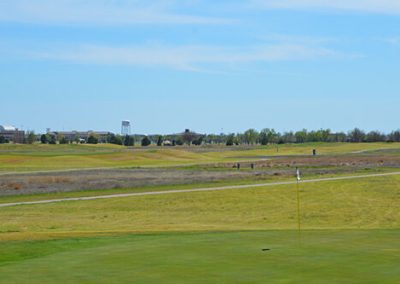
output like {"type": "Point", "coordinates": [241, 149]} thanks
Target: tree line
{"type": "Point", "coordinates": [264, 137]}
{"type": "Point", "coordinates": [270, 136]}
{"type": "Point", "coordinates": [248, 137]}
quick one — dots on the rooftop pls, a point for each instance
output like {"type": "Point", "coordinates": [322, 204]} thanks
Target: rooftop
{"type": "Point", "coordinates": [7, 128]}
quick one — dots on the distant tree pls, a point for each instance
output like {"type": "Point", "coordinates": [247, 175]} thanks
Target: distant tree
{"type": "Point", "coordinates": [236, 140]}
{"type": "Point", "coordinates": [375, 136]}
{"type": "Point", "coordinates": [129, 141]}
{"type": "Point", "coordinates": [92, 139]}
{"type": "Point", "coordinates": [188, 136]}
{"type": "Point", "coordinates": [212, 139]}
{"type": "Point", "coordinates": [115, 139]}
{"type": "Point", "coordinates": [198, 141]}
{"type": "Point", "coordinates": [31, 138]}
{"type": "Point", "coordinates": [230, 140]}
{"type": "Point", "coordinates": [240, 138]}
{"type": "Point", "coordinates": [2, 140]}
{"type": "Point", "coordinates": [341, 137]}
{"type": "Point", "coordinates": [126, 140]}
{"type": "Point", "coordinates": [153, 138]}
{"type": "Point", "coordinates": [52, 139]}
{"type": "Point", "coordinates": [62, 139]}
{"type": "Point", "coordinates": [159, 141]}
{"type": "Point", "coordinates": [178, 142]}
{"type": "Point", "coordinates": [251, 136]}
{"type": "Point", "coordinates": [118, 140]}
{"type": "Point", "coordinates": [313, 136]}
{"type": "Point", "coordinates": [395, 136]}
{"type": "Point", "coordinates": [263, 138]}
{"type": "Point", "coordinates": [357, 135]}
{"type": "Point", "coordinates": [321, 135]}
{"type": "Point", "coordinates": [110, 138]}
{"type": "Point", "coordinates": [267, 136]}
{"type": "Point", "coordinates": [337, 137]}
{"type": "Point", "coordinates": [325, 134]}
{"type": "Point", "coordinates": [44, 139]}
{"type": "Point", "coordinates": [287, 137]}
{"type": "Point", "coordinates": [146, 141]}
{"type": "Point", "coordinates": [77, 139]}
{"type": "Point", "coordinates": [301, 136]}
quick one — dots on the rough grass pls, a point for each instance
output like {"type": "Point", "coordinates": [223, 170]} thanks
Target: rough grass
{"type": "Point", "coordinates": [27, 162]}
{"type": "Point", "coordinates": [16, 158]}
{"type": "Point", "coordinates": [181, 186]}
{"type": "Point", "coordinates": [371, 203]}
{"type": "Point", "coordinates": [363, 256]}
{"type": "Point", "coordinates": [61, 194]}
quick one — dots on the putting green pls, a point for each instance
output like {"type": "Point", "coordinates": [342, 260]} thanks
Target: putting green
{"type": "Point", "coordinates": [360, 256]}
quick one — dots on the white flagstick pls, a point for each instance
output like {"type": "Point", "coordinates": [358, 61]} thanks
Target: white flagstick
{"type": "Point", "coordinates": [298, 177]}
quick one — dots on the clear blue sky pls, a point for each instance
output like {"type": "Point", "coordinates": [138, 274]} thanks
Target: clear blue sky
{"type": "Point", "coordinates": [210, 66]}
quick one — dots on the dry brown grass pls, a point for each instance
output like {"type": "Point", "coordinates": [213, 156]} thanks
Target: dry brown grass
{"type": "Point", "coordinates": [13, 185]}
{"type": "Point", "coordinates": [370, 203]}
{"type": "Point", "coordinates": [48, 179]}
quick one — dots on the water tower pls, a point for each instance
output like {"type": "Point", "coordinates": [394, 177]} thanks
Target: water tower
{"type": "Point", "coordinates": [126, 127]}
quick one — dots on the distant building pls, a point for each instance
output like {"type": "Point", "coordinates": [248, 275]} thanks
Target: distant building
{"type": "Point", "coordinates": [81, 135]}
{"type": "Point", "coordinates": [167, 143]}
{"type": "Point", "coordinates": [102, 135]}
{"type": "Point", "coordinates": [125, 127]}
{"type": "Point", "coordinates": [12, 134]}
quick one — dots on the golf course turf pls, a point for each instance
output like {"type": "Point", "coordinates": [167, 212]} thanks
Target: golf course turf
{"type": "Point", "coordinates": [21, 158]}
{"type": "Point", "coordinates": [350, 232]}
{"type": "Point", "coordinates": [324, 256]}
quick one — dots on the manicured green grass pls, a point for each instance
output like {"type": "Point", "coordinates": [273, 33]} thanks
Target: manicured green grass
{"type": "Point", "coordinates": [324, 256]}
{"type": "Point", "coordinates": [17, 158]}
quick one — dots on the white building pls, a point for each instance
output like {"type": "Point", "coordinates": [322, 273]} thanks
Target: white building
{"type": "Point", "coordinates": [12, 134]}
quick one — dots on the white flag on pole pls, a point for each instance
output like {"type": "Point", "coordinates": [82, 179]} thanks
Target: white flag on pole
{"type": "Point", "coordinates": [298, 174]}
